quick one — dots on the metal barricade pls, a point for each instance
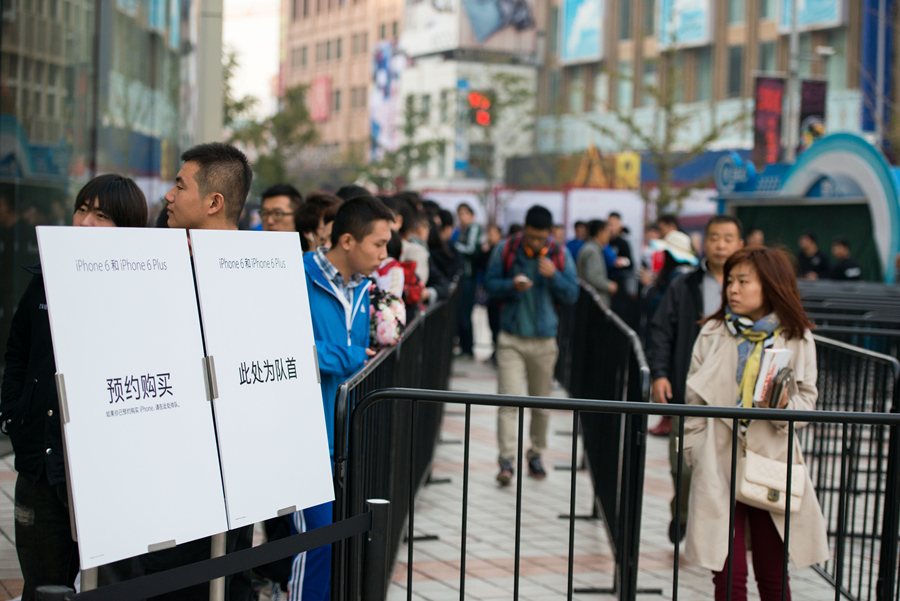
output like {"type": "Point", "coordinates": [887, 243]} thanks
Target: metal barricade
{"type": "Point", "coordinates": [359, 445]}
{"type": "Point", "coordinates": [422, 359]}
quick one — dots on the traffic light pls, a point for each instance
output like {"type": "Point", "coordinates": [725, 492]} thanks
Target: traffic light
{"type": "Point", "coordinates": [479, 109]}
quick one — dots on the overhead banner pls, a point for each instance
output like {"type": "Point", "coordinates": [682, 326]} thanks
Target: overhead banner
{"type": "Point", "coordinates": [581, 31]}
{"type": "Point", "coordinates": [685, 22]}
{"type": "Point", "coordinates": [812, 14]}
{"type": "Point", "coordinates": [813, 96]}
{"type": "Point", "coordinates": [269, 405]}
{"type": "Point", "coordinates": [138, 428]}
{"type": "Point", "coordinates": [767, 118]}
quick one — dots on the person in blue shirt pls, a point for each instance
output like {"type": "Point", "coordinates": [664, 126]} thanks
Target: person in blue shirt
{"type": "Point", "coordinates": [338, 289]}
{"type": "Point", "coordinates": [530, 275]}
{"type": "Point", "coordinates": [581, 235]}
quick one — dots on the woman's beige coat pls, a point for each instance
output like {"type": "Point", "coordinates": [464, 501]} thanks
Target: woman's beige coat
{"type": "Point", "coordinates": [707, 442]}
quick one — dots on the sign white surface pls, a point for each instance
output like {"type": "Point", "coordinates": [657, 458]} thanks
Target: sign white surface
{"type": "Point", "coordinates": [140, 439]}
{"type": "Point", "coordinates": [270, 421]}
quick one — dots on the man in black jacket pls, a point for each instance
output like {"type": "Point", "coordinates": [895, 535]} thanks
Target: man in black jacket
{"type": "Point", "coordinates": [674, 329]}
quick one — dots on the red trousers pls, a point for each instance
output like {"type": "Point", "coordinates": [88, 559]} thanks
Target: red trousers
{"type": "Point", "coordinates": [768, 553]}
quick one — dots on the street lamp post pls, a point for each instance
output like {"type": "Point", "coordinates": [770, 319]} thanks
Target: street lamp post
{"type": "Point", "coordinates": [790, 154]}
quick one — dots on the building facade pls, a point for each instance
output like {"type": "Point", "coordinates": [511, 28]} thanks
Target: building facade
{"type": "Point", "coordinates": [719, 47]}
{"type": "Point", "coordinates": [90, 87]}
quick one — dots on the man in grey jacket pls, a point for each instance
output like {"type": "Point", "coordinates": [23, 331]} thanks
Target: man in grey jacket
{"type": "Point", "coordinates": [591, 263]}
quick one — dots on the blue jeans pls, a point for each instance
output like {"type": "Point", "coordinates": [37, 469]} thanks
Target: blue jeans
{"type": "Point", "coordinates": [47, 553]}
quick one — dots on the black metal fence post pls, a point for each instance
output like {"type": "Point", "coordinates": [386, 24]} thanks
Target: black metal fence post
{"type": "Point", "coordinates": [375, 566]}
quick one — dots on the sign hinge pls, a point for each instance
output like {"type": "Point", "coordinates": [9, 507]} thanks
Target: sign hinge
{"type": "Point", "coordinates": [63, 398]}
{"type": "Point", "coordinates": [166, 544]}
{"type": "Point", "coordinates": [209, 378]}
{"type": "Point", "coordinates": [287, 510]}
{"type": "Point", "coordinates": [316, 356]}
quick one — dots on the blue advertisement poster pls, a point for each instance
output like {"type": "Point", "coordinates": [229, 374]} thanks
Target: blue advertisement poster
{"type": "Point", "coordinates": [581, 35]}
{"type": "Point", "coordinates": [812, 13]}
{"type": "Point", "coordinates": [685, 22]}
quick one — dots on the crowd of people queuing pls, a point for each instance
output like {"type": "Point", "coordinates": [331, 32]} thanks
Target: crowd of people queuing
{"type": "Point", "coordinates": [372, 262]}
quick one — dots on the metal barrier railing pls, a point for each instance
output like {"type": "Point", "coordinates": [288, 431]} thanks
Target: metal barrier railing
{"type": "Point", "coordinates": [422, 359]}
{"type": "Point", "coordinates": [359, 447]}
{"type": "Point", "coordinates": [614, 445]}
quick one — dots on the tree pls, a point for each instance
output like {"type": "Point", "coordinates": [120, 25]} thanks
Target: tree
{"type": "Point", "coordinates": [660, 142]}
{"type": "Point", "coordinates": [235, 110]}
{"type": "Point", "coordinates": [510, 115]}
{"type": "Point", "coordinates": [391, 171]}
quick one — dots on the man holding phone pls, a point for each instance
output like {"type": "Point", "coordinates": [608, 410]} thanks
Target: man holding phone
{"type": "Point", "coordinates": [530, 275]}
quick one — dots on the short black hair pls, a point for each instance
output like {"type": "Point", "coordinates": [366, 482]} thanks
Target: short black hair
{"type": "Point", "coordinates": [538, 217]}
{"type": "Point", "coordinates": [319, 206]}
{"type": "Point", "coordinates": [395, 245]}
{"type": "Point", "coordinates": [841, 241]}
{"type": "Point", "coordinates": [283, 190]}
{"type": "Point", "coordinates": [811, 236]}
{"type": "Point", "coordinates": [351, 191]}
{"type": "Point", "coordinates": [464, 205]}
{"type": "Point", "coordinates": [716, 219]}
{"type": "Point", "coordinates": [670, 219]}
{"type": "Point", "coordinates": [357, 217]}
{"type": "Point", "coordinates": [118, 196]}
{"type": "Point", "coordinates": [514, 228]}
{"type": "Point", "coordinates": [223, 169]}
{"type": "Point", "coordinates": [595, 226]}
{"type": "Point", "coordinates": [446, 218]}
{"type": "Point", "coordinates": [580, 224]}
{"type": "Point", "coordinates": [614, 214]}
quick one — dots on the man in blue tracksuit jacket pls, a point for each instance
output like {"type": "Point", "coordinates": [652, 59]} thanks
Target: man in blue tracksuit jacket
{"type": "Point", "coordinates": [339, 304]}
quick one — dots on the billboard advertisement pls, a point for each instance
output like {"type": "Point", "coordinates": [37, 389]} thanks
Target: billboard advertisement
{"type": "Point", "coordinates": [320, 99]}
{"type": "Point", "coordinates": [385, 106]}
{"type": "Point", "coordinates": [767, 116]}
{"type": "Point", "coordinates": [496, 26]}
{"type": "Point", "coordinates": [581, 30]}
{"type": "Point", "coordinates": [685, 22]}
{"type": "Point", "coordinates": [812, 112]}
{"type": "Point", "coordinates": [812, 14]}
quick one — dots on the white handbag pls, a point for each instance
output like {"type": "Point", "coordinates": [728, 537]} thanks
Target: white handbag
{"type": "Point", "coordinates": [762, 482]}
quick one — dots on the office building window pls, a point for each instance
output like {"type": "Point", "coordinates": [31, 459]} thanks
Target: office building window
{"type": "Point", "coordinates": [295, 58]}
{"type": "Point", "coordinates": [601, 90]}
{"type": "Point", "coordinates": [836, 64]}
{"type": "Point", "coordinates": [576, 90]}
{"type": "Point", "coordinates": [735, 71]}
{"type": "Point", "coordinates": [354, 44]}
{"type": "Point", "coordinates": [383, 31]}
{"type": "Point", "coordinates": [337, 101]}
{"type": "Point", "coordinates": [395, 29]}
{"type": "Point", "coordinates": [328, 50]}
{"type": "Point", "coordinates": [767, 59]}
{"type": "Point", "coordinates": [678, 77]}
{"type": "Point", "coordinates": [364, 42]}
{"type": "Point", "coordinates": [553, 34]}
{"type": "Point", "coordinates": [555, 89]}
{"type": "Point", "coordinates": [442, 161]}
{"type": "Point", "coordinates": [649, 17]}
{"type": "Point", "coordinates": [805, 50]}
{"type": "Point", "coordinates": [625, 20]}
{"type": "Point", "coordinates": [767, 9]}
{"type": "Point", "coordinates": [295, 10]}
{"type": "Point", "coordinates": [426, 107]}
{"type": "Point", "coordinates": [736, 11]}
{"type": "Point", "coordinates": [650, 91]}
{"type": "Point", "coordinates": [703, 73]}
{"type": "Point", "coordinates": [625, 85]}
{"type": "Point", "coordinates": [305, 8]}
{"type": "Point", "coordinates": [444, 106]}
{"type": "Point", "coordinates": [338, 48]}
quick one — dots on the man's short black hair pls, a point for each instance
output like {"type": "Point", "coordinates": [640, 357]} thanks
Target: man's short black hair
{"type": "Point", "coordinates": [580, 224]}
{"type": "Point", "coordinates": [614, 214]}
{"type": "Point", "coordinates": [538, 217]}
{"type": "Point", "coordinates": [283, 190]}
{"type": "Point", "coordinates": [464, 205]}
{"type": "Point", "coordinates": [811, 235]}
{"type": "Point", "coordinates": [118, 196]}
{"type": "Point", "coordinates": [595, 226]}
{"type": "Point", "coordinates": [670, 219]}
{"type": "Point", "coordinates": [351, 191]}
{"type": "Point", "coordinates": [357, 217]}
{"type": "Point", "coordinates": [841, 241]}
{"type": "Point", "coordinates": [395, 245]}
{"type": "Point", "coordinates": [223, 169]}
{"type": "Point", "coordinates": [716, 219]}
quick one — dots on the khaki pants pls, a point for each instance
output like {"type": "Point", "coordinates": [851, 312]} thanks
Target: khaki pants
{"type": "Point", "coordinates": [520, 358]}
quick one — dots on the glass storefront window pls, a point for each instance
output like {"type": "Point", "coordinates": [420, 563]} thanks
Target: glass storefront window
{"type": "Point", "coordinates": [76, 102]}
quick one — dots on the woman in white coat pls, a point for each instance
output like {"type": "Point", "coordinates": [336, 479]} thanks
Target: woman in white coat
{"type": "Point", "coordinates": [760, 309]}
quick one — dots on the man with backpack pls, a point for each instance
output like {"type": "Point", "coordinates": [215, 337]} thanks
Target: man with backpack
{"type": "Point", "coordinates": [530, 275]}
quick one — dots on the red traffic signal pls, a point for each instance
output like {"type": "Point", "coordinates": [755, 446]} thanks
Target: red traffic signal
{"type": "Point", "coordinates": [479, 109]}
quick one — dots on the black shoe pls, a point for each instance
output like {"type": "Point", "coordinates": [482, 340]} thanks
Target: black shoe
{"type": "Point", "coordinates": [676, 534]}
{"type": "Point", "coordinates": [506, 473]}
{"type": "Point", "coordinates": [536, 468]}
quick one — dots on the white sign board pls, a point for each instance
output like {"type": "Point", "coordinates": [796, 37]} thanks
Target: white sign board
{"type": "Point", "coordinates": [140, 440]}
{"type": "Point", "coordinates": [269, 416]}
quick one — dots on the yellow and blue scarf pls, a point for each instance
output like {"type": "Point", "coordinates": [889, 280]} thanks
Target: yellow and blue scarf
{"type": "Point", "coordinates": [755, 337]}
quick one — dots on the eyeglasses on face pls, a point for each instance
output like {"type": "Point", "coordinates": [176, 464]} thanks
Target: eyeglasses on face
{"type": "Point", "coordinates": [277, 214]}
